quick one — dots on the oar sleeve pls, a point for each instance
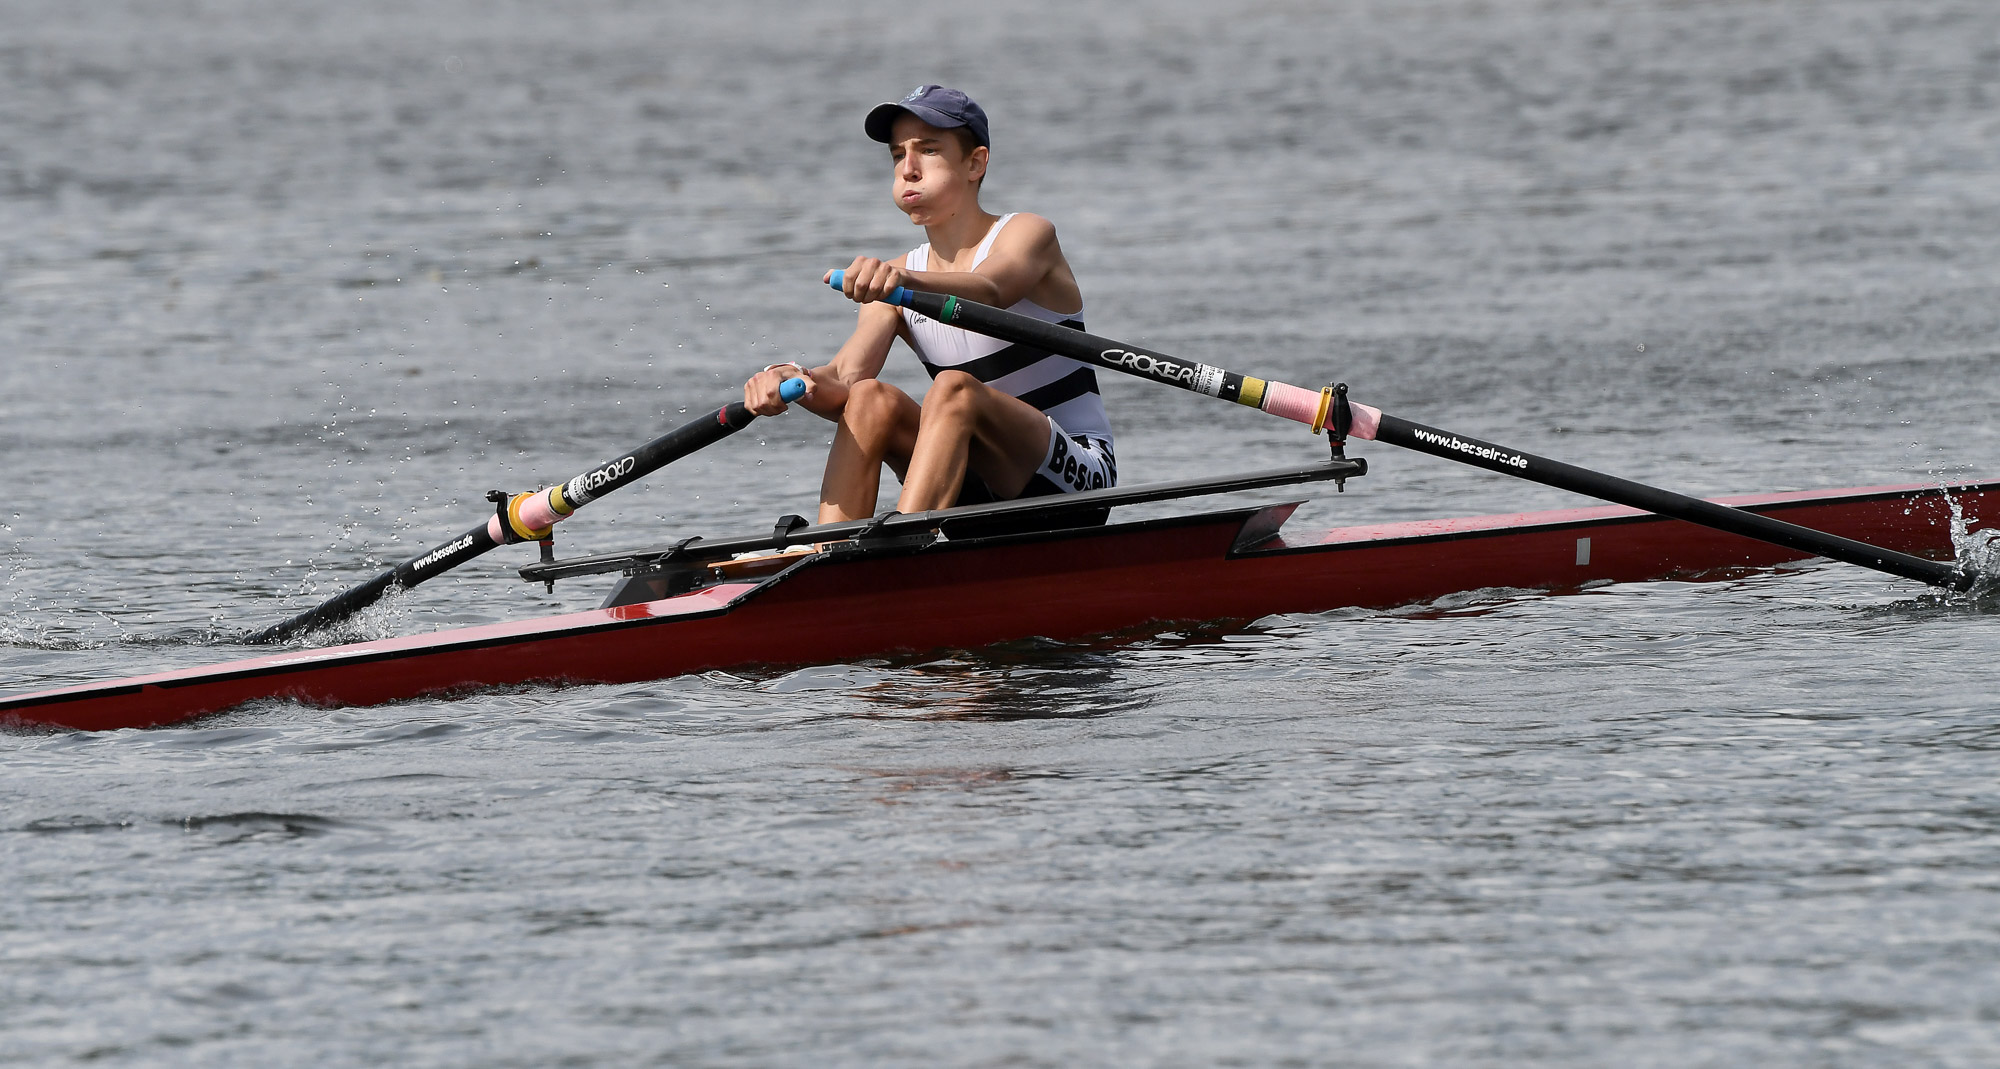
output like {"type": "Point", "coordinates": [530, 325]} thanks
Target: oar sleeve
{"type": "Point", "coordinates": [1308, 406]}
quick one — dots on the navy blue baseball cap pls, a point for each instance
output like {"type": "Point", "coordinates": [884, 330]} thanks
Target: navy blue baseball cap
{"type": "Point", "coordinates": [934, 104]}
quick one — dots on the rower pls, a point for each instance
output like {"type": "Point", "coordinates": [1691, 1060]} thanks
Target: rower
{"type": "Point", "coordinates": [999, 421]}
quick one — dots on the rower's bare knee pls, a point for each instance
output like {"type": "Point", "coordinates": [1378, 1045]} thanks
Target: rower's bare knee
{"type": "Point", "coordinates": [870, 415]}
{"type": "Point", "coordinates": [952, 393]}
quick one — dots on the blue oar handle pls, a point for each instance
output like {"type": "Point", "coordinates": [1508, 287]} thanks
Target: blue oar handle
{"type": "Point", "coordinates": [899, 295]}
{"type": "Point", "coordinates": [791, 390]}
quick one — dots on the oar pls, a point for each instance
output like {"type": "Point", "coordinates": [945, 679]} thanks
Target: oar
{"type": "Point", "coordinates": [1318, 409]}
{"type": "Point", "coordinates": [529, 517]}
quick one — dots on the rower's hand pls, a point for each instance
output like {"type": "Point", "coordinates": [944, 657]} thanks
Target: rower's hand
{"type": "Point", "coordinates": [760, 394]}
{"type": "Point", "coordinates": [868, 280]}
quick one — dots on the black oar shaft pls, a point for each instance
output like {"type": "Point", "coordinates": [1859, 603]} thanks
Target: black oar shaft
{"type": "Point", "coordinates": [557, 501]}
{"type": "Point", "coordinates": [1282, 399]}
{"type": "Point", "coordinates": [1481, 454]}
{"type": "Point", "coordinates": [432, 562]}
{"type": "Point", "coordinates": [689, 437]}
{"type": "Point", "coordinates": [1088, 348]}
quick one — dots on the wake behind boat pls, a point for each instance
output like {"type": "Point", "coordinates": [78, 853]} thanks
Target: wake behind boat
{"type": "Point", "coordinates": [969, 577]}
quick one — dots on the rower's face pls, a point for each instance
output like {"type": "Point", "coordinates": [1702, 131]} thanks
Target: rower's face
{"type": "Point", "coordinates": [934, 173]}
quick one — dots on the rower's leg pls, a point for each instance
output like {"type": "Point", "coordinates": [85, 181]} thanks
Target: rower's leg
{"type": "Point", "coordinates": [878, 426]}
{"type": "Point", "coordinates": [968, 424]}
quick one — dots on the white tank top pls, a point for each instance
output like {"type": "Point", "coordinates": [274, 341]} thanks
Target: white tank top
{"type": "Point", "coordinates": [1063, 388]}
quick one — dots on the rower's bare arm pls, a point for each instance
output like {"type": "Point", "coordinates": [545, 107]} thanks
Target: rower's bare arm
{"type": "Point", "coordinates": [860, 357]}
{"type": "Point", "coordinates": [1026, 260]}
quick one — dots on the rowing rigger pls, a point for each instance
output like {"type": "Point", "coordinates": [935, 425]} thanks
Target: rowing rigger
{"type": "Point", "coordinates": [1329, 409]}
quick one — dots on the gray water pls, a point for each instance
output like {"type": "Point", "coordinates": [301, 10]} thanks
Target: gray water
{"type": "Point", "coordinates": [284, 288]}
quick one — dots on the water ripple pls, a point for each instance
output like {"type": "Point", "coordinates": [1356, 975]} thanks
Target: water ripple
{"type": "Point", "coordinates": [287, 288]}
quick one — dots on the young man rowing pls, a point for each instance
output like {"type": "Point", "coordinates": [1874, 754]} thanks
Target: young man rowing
{"type": "Point", "coordinates": [999, 421]}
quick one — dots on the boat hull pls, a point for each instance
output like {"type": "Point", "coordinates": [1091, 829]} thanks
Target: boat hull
{"type": "Point", "coordinates": [1234, 565]}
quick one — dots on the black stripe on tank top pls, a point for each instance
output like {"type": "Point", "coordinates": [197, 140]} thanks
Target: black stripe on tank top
{"type": "Point", "coordinates": [1068, 388]}
{"type": "Point", "coordinates": [1001, 362]}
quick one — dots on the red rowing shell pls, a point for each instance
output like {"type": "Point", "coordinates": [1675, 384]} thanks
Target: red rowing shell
{"type": "Point", "coordinates": [1061, 585]}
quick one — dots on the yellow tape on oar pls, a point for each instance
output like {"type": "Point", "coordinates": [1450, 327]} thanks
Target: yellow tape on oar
{"type": "Point", "coordinates": [524, 528]}
{"type": "Point", "coordinates": [1251, 393]}
{"type": "Point", "coordinates": [1325, 406]}
{"type": "Point", "coordinates": [557, 502]}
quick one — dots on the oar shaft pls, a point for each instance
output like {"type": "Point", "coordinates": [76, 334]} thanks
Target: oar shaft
{"type": "Point", "coordinates": [1480, 454]}
{"type": "Point", "coordinates": [426, 565]}
{"type": "Point", "coordinates": [1277, 398]}
{"type": "Point", "coordinates": [1310, 407]}
{"type": "Point", "coordinates": [529, 516]}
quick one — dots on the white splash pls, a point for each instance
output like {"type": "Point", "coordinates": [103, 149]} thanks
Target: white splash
{"type": "Point", "coordinates": [1977, 552]}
